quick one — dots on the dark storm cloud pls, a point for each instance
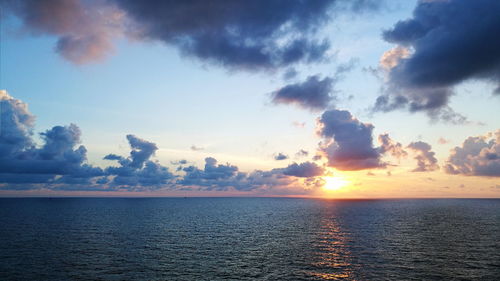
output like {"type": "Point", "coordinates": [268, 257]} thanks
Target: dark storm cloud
{"type": "Point", "coordinates": [348, 143]}
{"type": "Point", "coordinates": [443, 44]}
{"type": "Point", "coordinates": [426, 160]}
{"type": "Point", "coordinates": [238, 34]}
{"type": "Point", "coordinates": [22, 161]}
{"type": "Point", "coordinates": [280, 156]}
{"type": "Point", "coordinates": [314, 93]}
{"type": "Point", "coordinates": [478, 156]}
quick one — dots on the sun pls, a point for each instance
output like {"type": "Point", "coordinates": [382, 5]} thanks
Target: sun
{"type": "Point", "coordinates": [334, 183]}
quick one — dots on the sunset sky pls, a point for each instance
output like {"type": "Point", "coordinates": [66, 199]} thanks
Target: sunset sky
{"type": "Point", "coordinates": [337, 99]}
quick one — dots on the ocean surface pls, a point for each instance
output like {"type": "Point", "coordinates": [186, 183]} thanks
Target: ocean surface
{"type": "Point", "coordinates": [248, 239]}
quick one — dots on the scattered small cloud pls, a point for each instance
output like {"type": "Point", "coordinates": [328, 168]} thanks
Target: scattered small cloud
{"type": "Point", "coordinates": [299, 124]}
{"type": "Point", "coordinates": [301, 153]}
{"type": "Point", "coordinates": [442, 140]}
{"type": "Point", "coordinates": [387, 145]}
{"type": "Point", "coordinates": [426, 160]}
{"type": "Point", "coordinates": [304, 170]}
{"type": "Point", "coordinates": [179, 162]}
{"type": "Point", "coordinates": [196, 148]}
{"type": "Point", "coordinates": [280, 156]}
{"type": "Point", "coordinates": [290, 74]}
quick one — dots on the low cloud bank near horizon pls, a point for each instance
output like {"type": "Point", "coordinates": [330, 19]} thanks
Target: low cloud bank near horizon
{"type": "Point", "coordinates": [60, 163]}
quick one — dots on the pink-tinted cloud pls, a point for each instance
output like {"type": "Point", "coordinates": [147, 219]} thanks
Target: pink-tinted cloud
{"type": "Point", "coordinates": [478, 156]}
{"type": "Point", "coordinates": [426, 160]}
{"type": "Point", "coordinates": [84, 29]}
{"type": "Point", "coordinates": [347, 142]}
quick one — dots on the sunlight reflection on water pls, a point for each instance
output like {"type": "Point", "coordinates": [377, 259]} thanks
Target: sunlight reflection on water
{"type": "Point", "coordinates": [333, 259]}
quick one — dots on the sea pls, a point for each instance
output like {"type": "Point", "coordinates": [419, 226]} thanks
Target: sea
{"type": "Point", "coordinates": [249, 239]}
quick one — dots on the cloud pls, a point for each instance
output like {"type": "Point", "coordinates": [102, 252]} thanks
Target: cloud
{"type": "Point", "coordinates": [196, 148]}
{"type": "Point", "coordinates": [290, 74]}
{"type": "Point", "coordinates": [433, 102]}
{"type": "Point", "coordinates": [138, 169]}
{"type": "Point", "coordinates": [347, 142]}
{"type": "Point", "coordinates": [426, 161]}
{"type": "Point", "coordinates": [442, 140]}
{"type": "Point", "coordinates": [84, 29]}
{"type": "Point", "coordinates": [142, 150]}
{"type": "Point", "coordinates": [216, 176]}
{"type": "Point", "coordinates": [299, 124]}
{"type": "Point", "coordinates": [211, 171]}
{"type": "Point", "coordinates": [388, 145]}
{"type": "Point", "coordinates": [313, 94]}
{"type": "Point", "coordinates": [16, 125]}
{"type": "Point", "coordinates": [60, 163]}
{"type": "Point", "coordinates": [301, 153]}
{"type": "Point", "coordinates": [280, 156]}
{"type": "Point", "coordinates": [213, 176]}
{"type": "Point", "coordinates": [180, 162]}
{"type": "Point", "coordinates": [392, 57]}
{"type": "Point", "coordinates": [251, 35]}
{"type": "Point", "coordinates": [478, 156]}
{"type": "Point", "coordinates": [304, 170]}
{"type": "Point", "coordinates": [443, 44]}
{"type": "Point", "coordinates": [238, 34]}
{"type": "Point", "coordinates": [58, 159]}
{"type": "Point", "coordinates": [241, 34]}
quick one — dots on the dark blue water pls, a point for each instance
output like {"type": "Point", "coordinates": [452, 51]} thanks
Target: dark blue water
{"type": "Point", "coordinates": [248, 239]}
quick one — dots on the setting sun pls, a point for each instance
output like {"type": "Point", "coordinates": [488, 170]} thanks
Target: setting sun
{"type": "Point", "coordinates": [334, 183]}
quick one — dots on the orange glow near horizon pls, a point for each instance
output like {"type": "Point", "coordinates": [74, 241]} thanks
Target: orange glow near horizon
{"type": "Point", "coordinates": [334, 183]}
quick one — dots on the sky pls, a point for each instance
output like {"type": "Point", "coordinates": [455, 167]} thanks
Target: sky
{"type": "Point", "coordinates": [329, 99]}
